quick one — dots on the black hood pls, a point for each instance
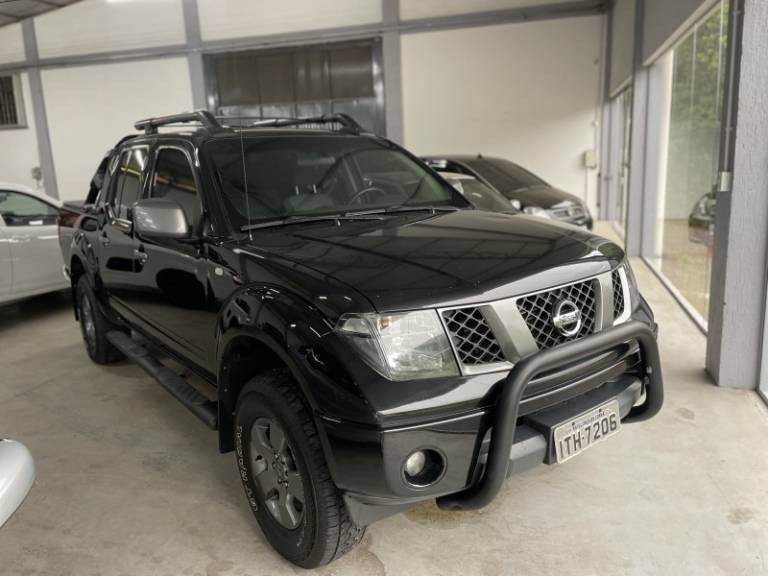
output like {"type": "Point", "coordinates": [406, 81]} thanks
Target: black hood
{"type": "Point", "coordinates": [415, 260]}
{"type": "Point", "coordinates": [543, 197]}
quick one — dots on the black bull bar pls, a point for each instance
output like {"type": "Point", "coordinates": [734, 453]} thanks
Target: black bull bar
{"type": "Point", "coordinates": [505, 416]}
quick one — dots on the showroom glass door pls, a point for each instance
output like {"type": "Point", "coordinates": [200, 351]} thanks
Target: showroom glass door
{"type": "Point", "coordinates": [691, 139]}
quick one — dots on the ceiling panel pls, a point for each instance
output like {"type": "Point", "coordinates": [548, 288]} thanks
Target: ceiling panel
{"type": "Point", "coordinates": [15, 10]}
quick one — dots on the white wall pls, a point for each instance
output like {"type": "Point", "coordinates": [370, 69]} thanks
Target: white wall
{"type": "Point", "coordinates": [233, 18]}
{"type": "Point", "coordinates": [509, 91]}
{"type": "Point", "coordinates": [105, 25]}
{"type": "Point", "coordinates": [11, 44]}
{"type": "Point", "coordinates": [18, 146]}
{"type": "Point", "coordinates": [91, 107]}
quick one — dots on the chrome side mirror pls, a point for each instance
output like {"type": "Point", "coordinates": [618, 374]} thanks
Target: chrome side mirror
{"type": "Point", "coordinates": [160, 218]}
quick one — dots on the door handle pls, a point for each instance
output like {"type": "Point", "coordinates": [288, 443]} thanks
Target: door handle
{"type": "Point", "coordinates": [140, 255]}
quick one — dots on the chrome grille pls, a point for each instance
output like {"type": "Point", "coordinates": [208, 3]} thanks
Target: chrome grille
{"type": "Point", "coordinates": [537, 309]}
{"type": "Point", "coordinates": [618, 294]}
{"type": "Point", "coordinates": [472, 337]}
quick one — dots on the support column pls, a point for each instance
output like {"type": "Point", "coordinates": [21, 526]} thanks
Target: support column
{"type": "Point", "coordinates": [44, 151]}
{"type": "Point", "coordinates": [633, 232]}
{"type": "Point", "coordinates": [740, 262]}
{"type": "Point", "coordinates": [194, 54]}
{"type": "Point", "coordinates": [393, 93]}
{"type": "Point", "coordinates": [606, 141]}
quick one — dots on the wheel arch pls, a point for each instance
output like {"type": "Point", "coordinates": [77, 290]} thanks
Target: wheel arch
{"type": "Point", "coordinates": [76, 270]}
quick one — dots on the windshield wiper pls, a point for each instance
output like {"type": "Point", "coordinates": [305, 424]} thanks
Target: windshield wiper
{"type": "Point", "coordinates": [287, 221]}
{"type": "Point", "coordinates": [433, 209]}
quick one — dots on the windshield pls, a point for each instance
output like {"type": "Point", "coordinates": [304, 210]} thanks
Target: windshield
{"type": "Point", "coordinates": [506, 176]}
{"type": "Point", "coordinates": [267, 178]}
{"type": "Point", "coordinates": [480, 195]}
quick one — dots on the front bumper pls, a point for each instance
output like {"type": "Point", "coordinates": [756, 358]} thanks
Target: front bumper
{"type": "Point", "coordinates": [480, 449]}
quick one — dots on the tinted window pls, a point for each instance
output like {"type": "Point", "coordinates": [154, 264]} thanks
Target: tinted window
{"type": "Point", "coordinates": [504, 175]}
{"type": "Point", "coordinates": [175, 181]}
{"type": "Point", "coordinates": [279, 177]}
{"type": "Point", "coordinates": [128, 182]}
{"type": "Point", "coordinates": [19, 209]}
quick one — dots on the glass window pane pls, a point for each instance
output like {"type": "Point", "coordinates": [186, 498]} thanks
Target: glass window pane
{"type": "Point", "coordinates": [19, 209]}
{"type": "Point", "coordinates": [687, 201]}
{"type": "Point", "coordinates": [311, 71]}
{"type": "Point", "coordinates": [276, 75]}
{"type": "Point", "coordinates": [238, 80]}
{"type": "Point", "coordinates": [303, 81]}
{"type": "Point", "coordinates": [130, 181]}
{"type": "Point", "coordinates": [351, 72]}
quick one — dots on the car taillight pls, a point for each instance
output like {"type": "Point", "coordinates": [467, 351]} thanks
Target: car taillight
{"type": "Point", "coordinates": [67, 218]}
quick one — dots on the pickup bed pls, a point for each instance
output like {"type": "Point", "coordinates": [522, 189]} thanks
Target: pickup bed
{"type": "Point", "coordinates": [369, 339]}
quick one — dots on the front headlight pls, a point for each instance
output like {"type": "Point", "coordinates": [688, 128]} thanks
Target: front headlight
{"type": "Point", "coordinates": [402, 346]}
{"type": "Point", "coordinates": [537, 211]}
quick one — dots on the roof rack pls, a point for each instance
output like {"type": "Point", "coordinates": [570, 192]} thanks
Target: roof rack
{"type": "Point", "coordinates": [345, 122]}
{"type": "Point", "coordinates": [208, 121]}
{"type": "Point", "coordinates": [342, 122]}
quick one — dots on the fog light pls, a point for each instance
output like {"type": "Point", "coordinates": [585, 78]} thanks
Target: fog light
{"type": "Point", "coordinates": [415, 463]}
{"type": "Point", "coordinates": [423, 468]}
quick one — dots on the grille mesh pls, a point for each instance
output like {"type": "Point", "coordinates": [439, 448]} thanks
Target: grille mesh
{"type": "Point", "coordinates": [618, 294]}
{"type": "Point", "coordinates": [537, 310]}
{"type": "Point", "coordinates": [472, 337]}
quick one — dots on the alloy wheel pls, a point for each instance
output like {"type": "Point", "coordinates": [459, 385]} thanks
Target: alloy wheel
{"type": "Point", "coordinates": [275, 471]}
{"type": "Point", "coordinates": [89, 326]}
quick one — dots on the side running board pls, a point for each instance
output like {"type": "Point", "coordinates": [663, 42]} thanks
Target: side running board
{"type": "Point", "coordinates": [196, 402]}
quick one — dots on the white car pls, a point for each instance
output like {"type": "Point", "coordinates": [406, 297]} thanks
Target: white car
{"type": "Point", "coordinates": [30, 255]}
{"type": "Point", "coordinates": [17, 473]}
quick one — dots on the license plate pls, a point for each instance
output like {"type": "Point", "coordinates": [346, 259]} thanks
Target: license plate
{"type": "Point", "coordinates": [586, 430]}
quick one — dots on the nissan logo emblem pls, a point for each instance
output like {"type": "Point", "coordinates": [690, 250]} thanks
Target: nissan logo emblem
{"type": "Point", "coordinates": [566, 318]}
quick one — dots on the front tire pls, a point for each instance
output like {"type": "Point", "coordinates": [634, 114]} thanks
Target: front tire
{"type": "Point", "coordinates": [94, 325]}
{"type": "Point", "coordinates": [285, 475]}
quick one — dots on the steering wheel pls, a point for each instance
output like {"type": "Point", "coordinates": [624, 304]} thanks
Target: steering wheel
{"type": "Point", "coordinates": [365, 191]}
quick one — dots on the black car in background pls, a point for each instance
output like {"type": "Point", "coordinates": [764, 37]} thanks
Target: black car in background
{"type": "Point", "coordinates": [534, 195]}
{"type": "Point", "coordinates": [701, 220]}
{"type": "Point", "coordinates": [479, 194]}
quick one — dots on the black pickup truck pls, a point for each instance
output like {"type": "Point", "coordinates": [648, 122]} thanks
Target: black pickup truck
{"type": "Point", "coordinates": [369, 338]}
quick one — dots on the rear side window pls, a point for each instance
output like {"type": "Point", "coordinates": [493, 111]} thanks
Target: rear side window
{"type": "Point", "coordinates": [175, 180]}
{"type": "Point", "coordinates": [128, 182]}
{"type": "Point", "coordinates": [19, 209]}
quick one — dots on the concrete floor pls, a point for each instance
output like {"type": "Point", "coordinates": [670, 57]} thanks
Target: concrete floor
{"type": "Point", "coordinates": [129, 483]}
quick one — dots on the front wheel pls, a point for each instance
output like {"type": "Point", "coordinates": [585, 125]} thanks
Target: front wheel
{"type": "Point", "coordinates": [285, 475]}
{"type": "Point", "coordinates": [94, 325]}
